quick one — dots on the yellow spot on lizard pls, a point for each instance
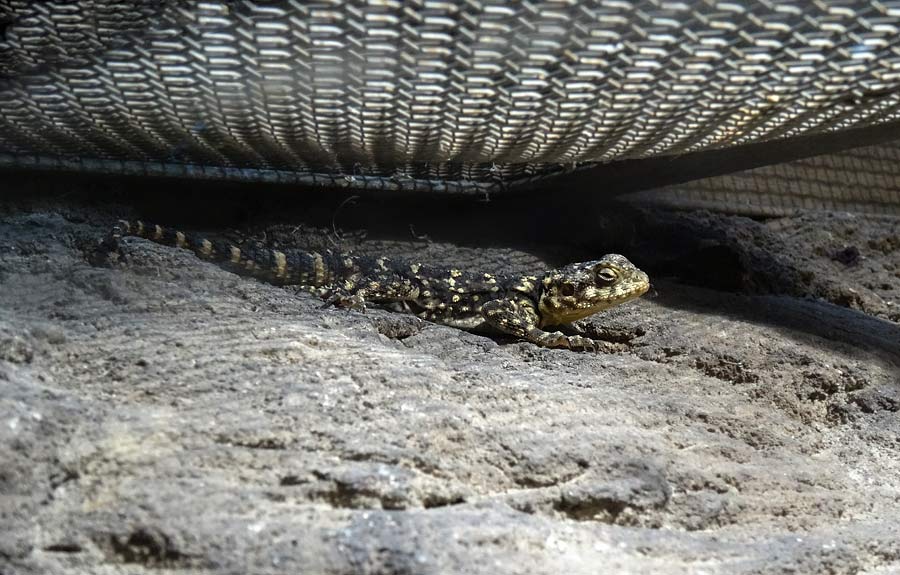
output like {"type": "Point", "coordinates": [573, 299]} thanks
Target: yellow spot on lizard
{"type": "Point", "coordinates": [318, 268]}
{"type": "Point", "coordinates": [280, 264]}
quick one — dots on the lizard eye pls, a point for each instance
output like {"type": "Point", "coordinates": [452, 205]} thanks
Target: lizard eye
{"type": "Point", "coordinates": [567, 290]}
{"type": "Point", "coordinates": [607, 276]}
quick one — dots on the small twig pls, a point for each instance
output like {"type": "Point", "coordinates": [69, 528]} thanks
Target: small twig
{"type": "Point", "coordinates": [421, 238]}
{"type": "Point", "coordinates": [337, 210]}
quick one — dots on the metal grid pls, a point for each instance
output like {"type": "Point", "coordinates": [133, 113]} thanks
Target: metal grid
{"type": "Point", "coordinates": [431, 95]}
{"type": "Point", "coordinates": [860, 180]}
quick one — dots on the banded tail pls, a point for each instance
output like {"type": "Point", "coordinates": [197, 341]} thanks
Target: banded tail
{"type": "Point", "coordinates": [273, 266]}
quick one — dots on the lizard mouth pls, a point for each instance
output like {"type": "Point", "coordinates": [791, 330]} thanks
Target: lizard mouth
{"type": "Point", "coordinates": [635, 293]}
{"type": "Point", "coordinates": [568, 315]}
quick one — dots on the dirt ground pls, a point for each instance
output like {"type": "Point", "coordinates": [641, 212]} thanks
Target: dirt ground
{"type": "Point", "coordinates": [158, 413]}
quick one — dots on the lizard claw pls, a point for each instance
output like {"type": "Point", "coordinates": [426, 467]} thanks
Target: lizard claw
{"type": "Point", "coordinates": [582, 343]}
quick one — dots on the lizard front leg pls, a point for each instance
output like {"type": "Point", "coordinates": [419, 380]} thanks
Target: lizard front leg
{"type": "Point", "coordinates": [519, 317]}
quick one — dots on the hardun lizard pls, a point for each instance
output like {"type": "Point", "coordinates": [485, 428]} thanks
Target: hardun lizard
{"type": "Point", "coordinates": [517, 305]}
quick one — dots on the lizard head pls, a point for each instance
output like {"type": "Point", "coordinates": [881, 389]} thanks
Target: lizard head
{"type": "Point", "coordinates": [578, 290]}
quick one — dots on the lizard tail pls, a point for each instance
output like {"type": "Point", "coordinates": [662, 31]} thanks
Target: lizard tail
{"type": "Point", "coordinates": [273, 266]}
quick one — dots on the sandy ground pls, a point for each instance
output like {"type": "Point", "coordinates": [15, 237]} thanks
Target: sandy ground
{"type": "Point", "coordinates": [159, 413]}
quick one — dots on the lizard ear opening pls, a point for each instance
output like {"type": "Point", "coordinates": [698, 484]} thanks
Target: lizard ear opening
{"type": "Point", "coordinates": [567, 290]}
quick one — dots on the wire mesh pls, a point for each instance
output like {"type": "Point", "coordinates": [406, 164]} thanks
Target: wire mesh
{"type": "Point", "coordinates": [427, 94]}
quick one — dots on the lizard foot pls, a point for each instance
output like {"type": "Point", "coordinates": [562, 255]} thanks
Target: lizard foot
{"type": "Point", "coordinates": [574, 342]}
{"type": "Point", "coordinates": [107, 250]}
{"type": "Point", "coordinates": [346, 300]}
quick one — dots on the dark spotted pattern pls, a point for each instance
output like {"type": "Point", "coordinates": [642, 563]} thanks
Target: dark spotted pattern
{"type": "Point", "coordinates": [520, 306]}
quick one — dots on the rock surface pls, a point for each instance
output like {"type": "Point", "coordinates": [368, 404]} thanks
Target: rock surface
{"type": "Point", "coordinates": [162, 413]}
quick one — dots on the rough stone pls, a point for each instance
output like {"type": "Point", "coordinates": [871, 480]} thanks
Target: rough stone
{"type": "Point", "coordinates": [161, 413]}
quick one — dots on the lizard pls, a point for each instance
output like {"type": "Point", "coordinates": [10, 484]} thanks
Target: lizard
{"type": "Point", "coordinates": [522, 306]}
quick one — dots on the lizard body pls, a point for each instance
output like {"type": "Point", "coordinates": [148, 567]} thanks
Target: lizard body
{"type": "Point", "coordinates": [517, 305]}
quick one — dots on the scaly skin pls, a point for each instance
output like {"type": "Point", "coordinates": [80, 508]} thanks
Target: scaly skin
{"type": "Point", "coordinates": [521, 306]}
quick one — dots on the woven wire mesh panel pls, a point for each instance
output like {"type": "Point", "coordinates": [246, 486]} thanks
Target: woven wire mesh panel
{"type": "Point", "coordinates": [861, 180]}
{"type": "Point", "coordinates": [459, 96]}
